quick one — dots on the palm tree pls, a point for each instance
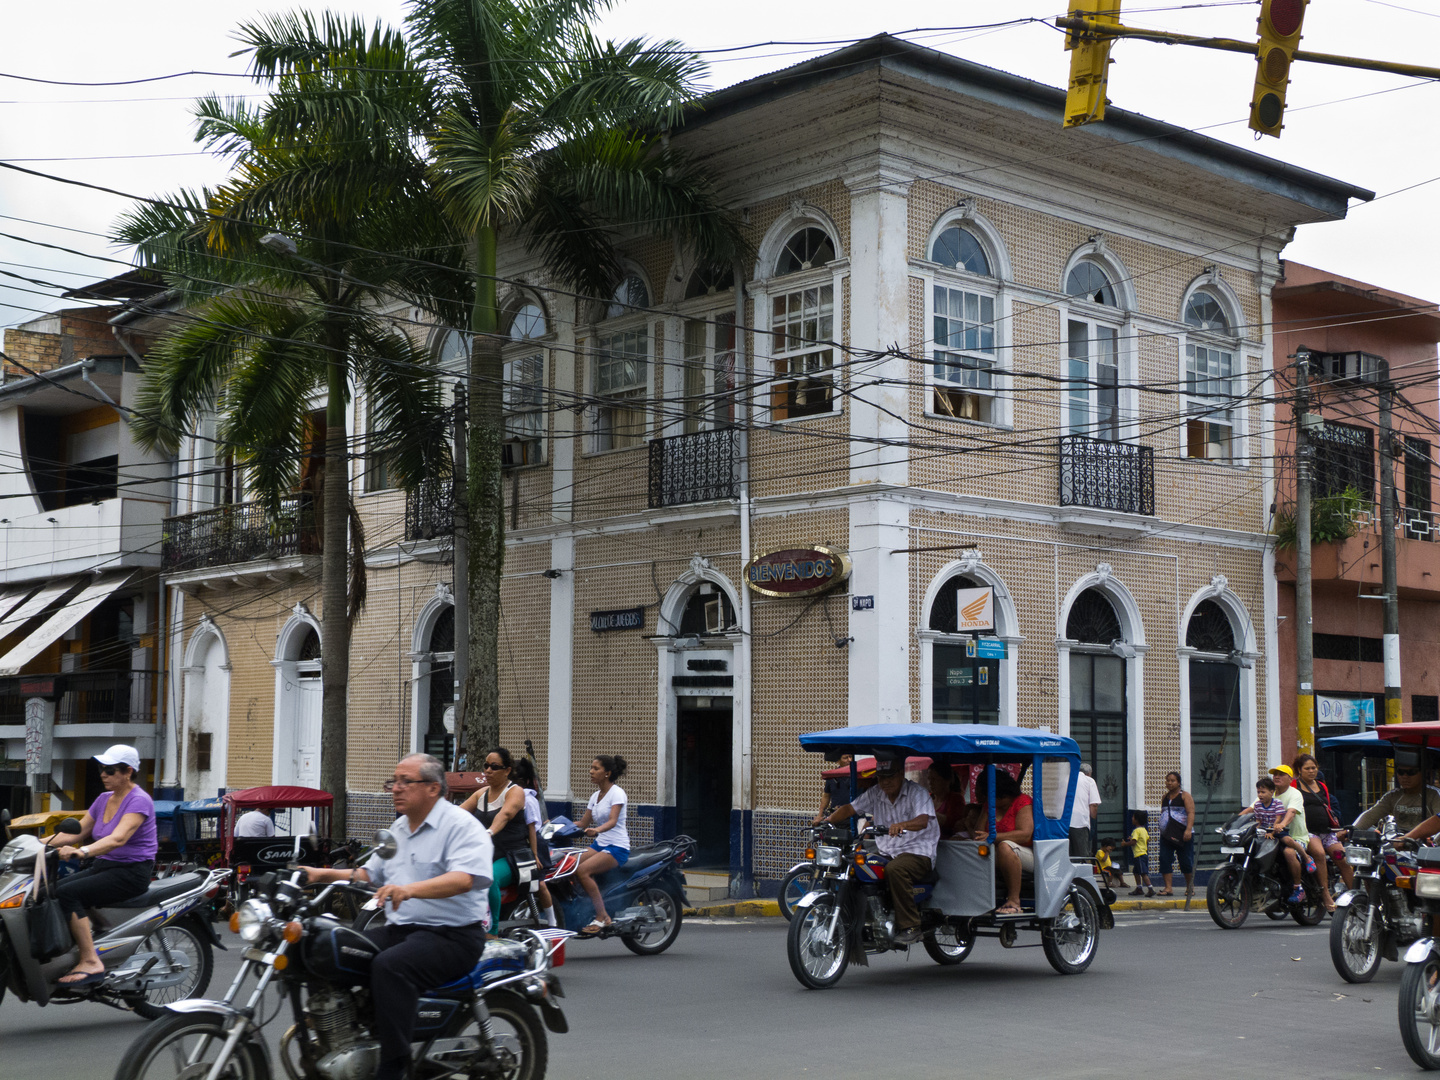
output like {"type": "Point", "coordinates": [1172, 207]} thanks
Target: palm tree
{"type": "Point", "coordinates": [542, 132]}
{"type": "Point", "coordinates": [328, 160]}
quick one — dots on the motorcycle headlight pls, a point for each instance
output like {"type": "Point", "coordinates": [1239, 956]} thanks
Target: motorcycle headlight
{"type": "Point", "coordinates": [1427, 884]}
{"type": "Point", "coordinates": [827, 856]}
{"type": "Point", "coordinates": [1358, 855]}
{"type": "Point", "coordinates": [254, 918]}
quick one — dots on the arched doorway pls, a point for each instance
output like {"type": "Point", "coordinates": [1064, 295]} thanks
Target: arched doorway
{"type": "Point", "coordinates": [207, 713]}
{"type": "Point", "coordinates": [434, 681]}
{"type": "Point", "coordinates": [297, 710]}
{"type": "Point", "coordinates": [965, 672]}
{"type": "Point", "coordinates": [1098, 706]}
{"type": "Point", "coordinates": [1215, 719]}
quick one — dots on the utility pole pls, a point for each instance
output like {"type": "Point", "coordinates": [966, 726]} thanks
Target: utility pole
{"type": "Point", "coordinates": [461, 586]}
{"type": "Point", "coordinates": [1387, 551]}
{"type": "Point", "coordinates": [1304, 628]}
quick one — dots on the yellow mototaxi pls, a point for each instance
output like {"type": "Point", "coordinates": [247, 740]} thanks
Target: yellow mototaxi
{"type": "Point", "coordinates": [43, 824]}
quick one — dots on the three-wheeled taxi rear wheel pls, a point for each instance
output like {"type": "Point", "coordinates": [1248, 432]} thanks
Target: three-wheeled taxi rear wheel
{"type": "Point", "coordinates": [1228, 897]}
{"type": "Point", "coordinates": [947, 946]}
{"type": "Point", "coordinates": [1072, 936]}
{"type": "Point", "coordinates": [818, 957]}
{"type": "Point", "coordinates": [1420, 1012]}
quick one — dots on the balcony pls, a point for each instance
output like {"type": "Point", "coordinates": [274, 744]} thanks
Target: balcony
{"type": "Point", "coordinates": [74, 539]}
{"type": "Point", "coordinates": [1107, 475]}
{"type": "Point", "coordinates": [238, 533]}
{"type": "Point", "coordinates": [430, 510]}
{"type": "Point", "coordinates": [694, 468]}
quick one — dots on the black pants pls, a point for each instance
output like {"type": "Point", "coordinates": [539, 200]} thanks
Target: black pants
{"type": "Point", "coordinates": [414, 959]}
{"type": "Point", "coordinates": [104, 883]}
{"type": "Point", "coordinates": [1080, 843]}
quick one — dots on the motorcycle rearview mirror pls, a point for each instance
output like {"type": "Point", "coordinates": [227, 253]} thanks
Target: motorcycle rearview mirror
{"type": "Point", "coordinates": [69, 825]}
{"type": "Point", "coordinates": [385, 844]}
{"type": "Point", "coordinates": [295, 852]}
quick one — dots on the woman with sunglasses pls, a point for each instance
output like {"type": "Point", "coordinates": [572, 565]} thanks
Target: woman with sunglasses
{"type": "Point", "coordinates": [499, 805]}
{"type": "Point", "coordinates": [118, 832]}
{"type": "Point", "coordinates": [1411, 801]}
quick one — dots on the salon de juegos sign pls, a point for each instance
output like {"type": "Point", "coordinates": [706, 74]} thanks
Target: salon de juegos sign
{"type": "Point", "coordinates": [790, 572]}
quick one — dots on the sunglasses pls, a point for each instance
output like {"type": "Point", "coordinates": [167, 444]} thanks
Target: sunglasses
{"type": "Point", "coordinates": [494, 766]}
{"type": "Point", "coordinates": [1407, 772]}
{"type": "Point", "coordinates": [110, 770]}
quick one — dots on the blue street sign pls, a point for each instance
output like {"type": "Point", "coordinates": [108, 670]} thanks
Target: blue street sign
{"type": "Point", "coordinates": [985, 648]}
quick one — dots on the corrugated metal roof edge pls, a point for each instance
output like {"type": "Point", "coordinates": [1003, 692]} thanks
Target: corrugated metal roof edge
{"type": "Point", "coordinates": [882, 48]}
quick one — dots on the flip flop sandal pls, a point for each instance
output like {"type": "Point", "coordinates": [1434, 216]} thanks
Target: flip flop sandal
{"type": "Point", "coordinates": [90, 979]}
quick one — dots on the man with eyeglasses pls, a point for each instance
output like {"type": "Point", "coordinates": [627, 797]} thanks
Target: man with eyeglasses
{"type": "Point", "coordinates": [1411, 801]}
{"type": "Point", "coordinates": [434, 896]}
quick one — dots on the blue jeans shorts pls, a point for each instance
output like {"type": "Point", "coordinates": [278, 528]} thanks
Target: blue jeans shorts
{"type": "Point", "coordinates": [619, 854]}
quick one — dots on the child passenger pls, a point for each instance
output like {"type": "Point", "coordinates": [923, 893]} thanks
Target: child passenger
{"type": "Point", "coordinates": [1139, 844]}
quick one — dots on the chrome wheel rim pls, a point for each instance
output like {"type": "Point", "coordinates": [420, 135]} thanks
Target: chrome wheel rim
{"type": "Point", "coordinates": [1361, 949]}
{"type": "Point", "coordinates": [820, 960]}
{"type": "Point", "coordinates": [1427, 1002]}
{"type": "Point", "coordinates": [1075, 931]}
{"type": "Point", "coordinates": [665, 902]}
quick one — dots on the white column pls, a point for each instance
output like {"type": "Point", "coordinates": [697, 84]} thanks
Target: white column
{"type": "Point", "coordinates": [1182, 660]}
{"type": "Point", "coordinates": [879, 653]}
{"type": "Point", "coordinates": [562, 653]}
{"type": "Point", "coordinates": [1062, 685]}
{"type": "Point", "coordinates": [879, 319]}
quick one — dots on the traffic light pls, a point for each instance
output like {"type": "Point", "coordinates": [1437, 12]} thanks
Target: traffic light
{"type": "Point", "coordinates": [1089, 62]}
{"type": "Point", "coordinates": [1279, 35]}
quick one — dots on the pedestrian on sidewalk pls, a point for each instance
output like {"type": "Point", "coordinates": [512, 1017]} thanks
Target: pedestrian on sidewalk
{"type": "Point", "coordinates": [1138, 844]}
{"type": "Point", "coordinates": [1084, 813]}
{"type": "Point", "coordinates": [1177, 835]}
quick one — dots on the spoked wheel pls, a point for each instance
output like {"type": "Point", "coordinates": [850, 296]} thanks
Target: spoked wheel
{"type": "Point", "coordinates": [179, 951]}
{"type": "Point", "coordinates": [1354, 950]}
{"type": "Point", "coordinates": [657, 941]}
{"type": "Point", "coordinates": [519, 1038]}
{"type": "Point", "coordinates": [1228, 898]}
{"type": "Point", "coordinates": [1073, 934]}
{"type": "Point", "coordinates": [1311, 911]}
{"type": "Point", "coordinates": [793, 886]}
{"type": "Point", "coordinates": [946, 946]}
{"type": "Point", "coordinates": [817, 957]}
{"type": "Point", "coordinates": [1420, 1012]}
{"type": "Point", "coordinates": [187, 1046]}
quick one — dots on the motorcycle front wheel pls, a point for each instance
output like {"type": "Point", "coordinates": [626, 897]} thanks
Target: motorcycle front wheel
{"type": "Point", "coordinates": [657, 941]}
{"type": "Point", "coordinates": [1073, 934]}
{"type": "Point", "coordinates": [182, 1046]}
{"type": "Point", "coordinates": [1420, 1012]}
{"type": "Point", "coordinates": [818, 963]}
{"type": "Point", "coordinates": [1355, 953]}
{"type": "Point", "coordinates": [1228, 897]}
{"type": "Point", "coordinates": [793, 887]}
{"type": "Point", "coordinates": [181, 949]}
{"type": "Point", "coordinates": [519, 1039]}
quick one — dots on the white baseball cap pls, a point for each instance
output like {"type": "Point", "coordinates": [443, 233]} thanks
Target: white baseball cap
{"type": "Point", "coordinates": [120, 754]}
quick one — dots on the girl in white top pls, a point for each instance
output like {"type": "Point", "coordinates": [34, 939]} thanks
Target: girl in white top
{"type": "Point", "coordinates": [604, 823]}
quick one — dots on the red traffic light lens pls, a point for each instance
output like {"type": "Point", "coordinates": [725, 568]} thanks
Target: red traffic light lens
{"type": "Point", "coordinates": [1285, 16]}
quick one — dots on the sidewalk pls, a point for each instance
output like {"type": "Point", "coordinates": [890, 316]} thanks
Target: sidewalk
{"type": "Point", "coordinates": [764, 908]}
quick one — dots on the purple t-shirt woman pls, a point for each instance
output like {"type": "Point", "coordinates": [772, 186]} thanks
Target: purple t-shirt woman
{"type": "Point", "coordinates": [143, 844]}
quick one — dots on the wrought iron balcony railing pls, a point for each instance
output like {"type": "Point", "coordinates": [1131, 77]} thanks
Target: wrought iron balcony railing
{"type": "Point", "coordinates": [430, 509]}
{"type": "Point", "coordinates": [694, 468]}
{"type": "Point", "coordinates": [1107, 475]}
{"type": "Point", "coordinates": [237, 533]}
{"type": "Point", "coordinates": [85, 697]}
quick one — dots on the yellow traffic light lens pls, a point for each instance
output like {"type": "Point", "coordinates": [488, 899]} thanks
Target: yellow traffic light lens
{"type": "Point", "coordinates": [1270, 109]}
{"type": "Point", "coordinates": [1276, 66]}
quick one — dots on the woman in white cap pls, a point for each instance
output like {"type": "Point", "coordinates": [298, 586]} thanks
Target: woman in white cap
{"type": "Point", "coordinates": [118, 832]}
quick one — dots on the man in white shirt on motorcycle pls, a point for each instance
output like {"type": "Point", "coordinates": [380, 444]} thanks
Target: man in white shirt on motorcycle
{"type": "Point", "coordinates": [906, 812]}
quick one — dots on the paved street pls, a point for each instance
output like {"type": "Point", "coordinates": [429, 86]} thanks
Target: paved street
{"type": "Point", "coordinates": [1169, 994]}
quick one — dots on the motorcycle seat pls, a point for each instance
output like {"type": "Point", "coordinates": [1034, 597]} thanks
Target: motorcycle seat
{"type": "Point", "coordinates": [162, 890]}
{"type": "Point", "coordinates": [639, 860]}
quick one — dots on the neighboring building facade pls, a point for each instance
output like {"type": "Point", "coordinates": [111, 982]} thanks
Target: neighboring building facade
{"type": "Point", "coordinates": [1349, 327]}
{"type": "Point", "coordinates": [973, 349]}
{"type": "Point", "coordinates": [80, 523]}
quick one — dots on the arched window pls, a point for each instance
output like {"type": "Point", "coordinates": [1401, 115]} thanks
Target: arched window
{"type": "Point", "coordinates": [1092, 619]}
{"type": "Point", "coordinates": [441, 697]}
{"type": "Point", "coordinates": [630, 295]}
{"type": "Point", "coordinates": [308, 647]}
{"type": "Point", "coordinates": [452, 350]}
{"type": "Point", "coordinates": [707, 611]}
{"type": "Point", "coordinates": [958, 248]}
{"type": "Point", "coordinates": [708, 280]}
{"type": "Point", "coordinates": [965, 679]}
{"type": "Point", "coordinates": [529, 322]}
{"type": "Point", "coordinates": [1088, 281]}
{"type": "Point", "coordinates": [806, 249]}
{"type": "Point", "coordinates": [1209, 629]}
{"type": "Point", "coordinates": [1204, 312]}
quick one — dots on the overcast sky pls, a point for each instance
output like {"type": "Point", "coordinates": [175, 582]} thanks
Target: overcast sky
{"type": "Point", "coordinates": [1366, 128]}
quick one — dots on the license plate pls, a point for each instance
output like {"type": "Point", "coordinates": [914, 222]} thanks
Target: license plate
{"type": "Point", "coordinates": [1232, 851]}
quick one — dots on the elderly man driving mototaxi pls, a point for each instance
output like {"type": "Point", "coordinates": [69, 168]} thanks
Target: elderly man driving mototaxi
{"type": "Point", "coordinates": [907, 813]}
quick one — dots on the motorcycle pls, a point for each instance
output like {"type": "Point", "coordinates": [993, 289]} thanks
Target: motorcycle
{"type": "Point", "coordinates": [157, 948]}
{"type": "Point", "coordinates": [1256, 878]}
{"type": "Point", "coordinates": [1380, 915]}
{"type": "Point", "coordinates": [849, 912]}
{"type": "Point", "coordinates": [485, 1024]}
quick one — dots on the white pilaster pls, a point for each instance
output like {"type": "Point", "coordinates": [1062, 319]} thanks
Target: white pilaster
{"type": "Point", "coordinates": [879, 651]}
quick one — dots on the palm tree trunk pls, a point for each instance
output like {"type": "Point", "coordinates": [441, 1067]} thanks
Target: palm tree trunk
{"type": "Point", "coordinates": [485, 507]}
{"type": "Point", "coordinates": [334, 575]}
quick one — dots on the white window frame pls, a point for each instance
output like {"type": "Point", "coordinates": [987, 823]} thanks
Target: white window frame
{"type": "Point", "coordinates": [1096, 318]}
{"type": "Point", "coordinates": [778, 362]}
{"type": "Point", "coordinates": [707, 377]}
{"type": "Point", "coordinates": [524, 411]}
{"type": "Point", "coordinates": [609, 397]}
{"type": "Point", "coordinates": [997, 367]}
{"type": "Point", "coordinates": [1190, 341]}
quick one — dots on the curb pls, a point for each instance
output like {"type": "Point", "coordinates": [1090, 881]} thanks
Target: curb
{"type": "Point", "coordinates": [771, 908]}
